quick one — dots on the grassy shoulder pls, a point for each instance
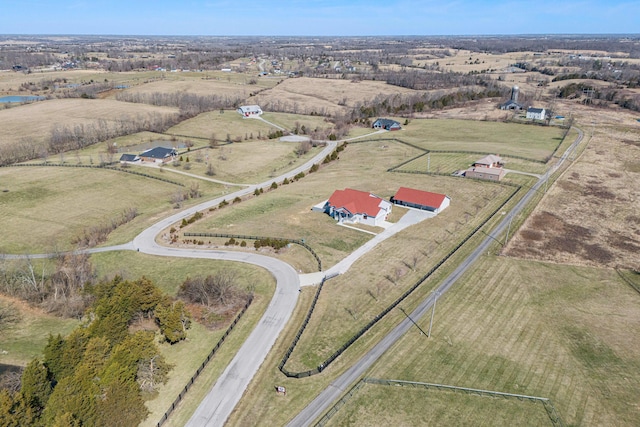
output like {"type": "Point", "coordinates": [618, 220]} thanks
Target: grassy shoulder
{"type": "Point", "coordinates": [187, 358]}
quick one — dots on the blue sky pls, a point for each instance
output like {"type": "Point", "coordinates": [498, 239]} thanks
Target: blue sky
{"type": "Point", "coordinates": [319, 18]}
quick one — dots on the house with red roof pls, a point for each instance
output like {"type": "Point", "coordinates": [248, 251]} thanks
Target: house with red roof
{"type": "Point", "coordinates": [423, 200]}
{"type": "Point", "coordinates": [357, 206]}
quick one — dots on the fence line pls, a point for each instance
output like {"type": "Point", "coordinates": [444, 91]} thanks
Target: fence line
{"type": "Point", "coordinates": [551, 411]}
{"type": "Point", "coordinates": [107, 166]}
{"type": "Point", "coordinates": [213, 351]}
{"type": "Point", "coordinates": [246, 237]}
{"type": "Point", "coordinates": [628, 281]}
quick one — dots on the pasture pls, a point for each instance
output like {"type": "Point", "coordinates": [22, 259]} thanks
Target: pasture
{"type": "Point", "coordinates": [46, 207]}
{"type": "Point", "coordinates": [391, 405]}
{"type": "Point", "coordinates": [331, 96]}
{"type": "Point", "coordinates": [35, 121]}
{"type": "Point", "coordinates": [287, 213]}
{"type": "Point", "coordinates": [561, 332]}
{"type": "Point", "coordinates": [529, 141]}
{"type": "Point", "coordinates": [590, 216]}
{"type": "Point", "coordinates": [21, 342]}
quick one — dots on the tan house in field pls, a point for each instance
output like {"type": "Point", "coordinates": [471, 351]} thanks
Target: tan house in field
{"type": "Point", "coordinates": [490, 161]}
{"type": "Point", "coordinates": [489, 167]}
{"type": "Point", "coordinates": [491, 174]}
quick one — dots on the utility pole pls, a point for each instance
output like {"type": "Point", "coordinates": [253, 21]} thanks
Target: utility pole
{"type": "Point", "coordinates": [506, 239]}
{"type": "Point", "coordinates": [433, 311]}
{"type": "Point", "coordinates": [414, 323]}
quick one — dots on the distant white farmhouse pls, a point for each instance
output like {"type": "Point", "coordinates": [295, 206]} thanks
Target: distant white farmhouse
{"type": "Point", "coordinates": [250, 110]}
{"type": "Point", "coordinates": [536, 113]}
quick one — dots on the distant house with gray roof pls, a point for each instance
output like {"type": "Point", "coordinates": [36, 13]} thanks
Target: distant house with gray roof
{"type": "Point", "coordinates": [386, 124]}
{"type": "Point", "coordinates": [158, 155]}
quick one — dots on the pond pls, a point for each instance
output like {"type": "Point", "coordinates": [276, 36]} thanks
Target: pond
{"type": "Point", "coordinates": [20, 98]}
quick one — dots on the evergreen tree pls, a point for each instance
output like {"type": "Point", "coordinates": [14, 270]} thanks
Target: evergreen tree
{"type": "Point", "coordinates": [36, 386]}
{"type": "Point", "coordinates": [173, 320]}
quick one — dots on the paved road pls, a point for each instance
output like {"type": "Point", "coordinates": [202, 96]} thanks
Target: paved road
{"type": "Point", "coordinates": [330, 394]}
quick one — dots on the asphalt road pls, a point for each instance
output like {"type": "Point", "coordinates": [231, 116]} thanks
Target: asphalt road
{"type": "Point", "coordinates": [341, 384]}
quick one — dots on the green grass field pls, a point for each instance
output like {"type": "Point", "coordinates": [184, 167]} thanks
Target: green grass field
{"type": "Point", "coordinates": [517, 302]}
{"type": "Point", "coordinates": [448, 163]}
{"type": "Point", "coordinates": [536, 329]}
{"type": "Point", "coordinates": [405, 406]}
{"type": "Point", "coordinates": [23, 341]}
{"type": "Point", "coordinates": [535, 142]}
{"type": "Point", "coordinates": [46, 207]}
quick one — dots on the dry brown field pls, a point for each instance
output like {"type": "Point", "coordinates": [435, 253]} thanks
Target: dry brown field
{"type": "Point", "coordinates": [35, 121]}
{"type": "Point", "coordinates": [215, 86]}
{"type": "Point", "coordinates": [10, 81]}
{"type": "Point", "coordinates": [314, 94]}
{"type": "Point", "coordinates": [590, 216]}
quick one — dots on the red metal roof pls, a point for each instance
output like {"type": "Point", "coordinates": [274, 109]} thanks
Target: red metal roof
{"type": "Point", "coordinates": [355, 201]}
{"type": "Point", "coordinates": [419, 197]}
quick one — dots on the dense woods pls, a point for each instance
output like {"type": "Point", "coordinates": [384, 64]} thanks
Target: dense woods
{"type": "Point", "coordinates": [106, 368]}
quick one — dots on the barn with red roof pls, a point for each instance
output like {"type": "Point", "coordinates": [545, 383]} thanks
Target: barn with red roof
{"type": "Point", "coordinates": [423, 200]}
{"type": "Point", "coordinates": [357, 206]}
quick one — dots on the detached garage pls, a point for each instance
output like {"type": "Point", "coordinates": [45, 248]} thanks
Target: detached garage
{"type": "Point", "coordinates": [423, 200]}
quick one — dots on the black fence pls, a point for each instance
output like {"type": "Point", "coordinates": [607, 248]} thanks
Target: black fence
{"type": "Point", "coordinates": [204, 363]}
{"type": "Point", "coordinates": [246, 237]}
{"type": "Point", "coordinates": [108, 166]}
{"type": "Point", "coordinates": [628, 281]}
{"type": "Point", "coordinates": [384, 312]}
{"type": "Point", "coordinates": [427, 151]}
{"type": "Point", "coordinates": [297, 338]}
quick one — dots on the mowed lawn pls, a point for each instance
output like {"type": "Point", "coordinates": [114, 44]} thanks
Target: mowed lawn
{"type": "Point", "coordinates": [559, 332]}
{"type": "Point", "coordinates": [375, 404]}
{"type": "Point", "coordinates": [44, 208]}
{"type": "Point", "coordinates": [286, 212]}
